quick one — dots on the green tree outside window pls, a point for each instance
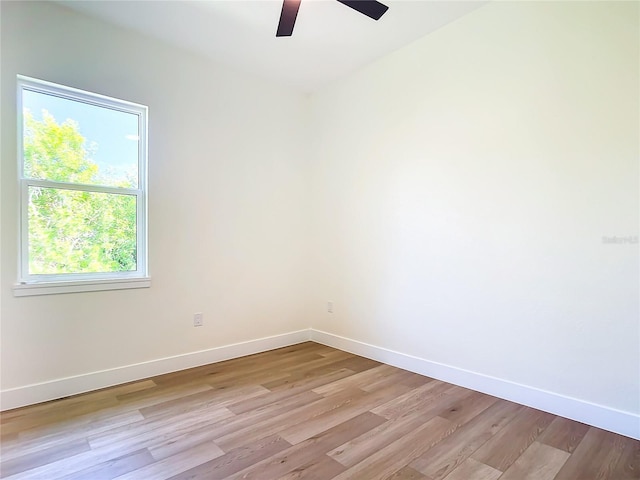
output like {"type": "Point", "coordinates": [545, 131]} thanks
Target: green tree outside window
{"type": "Point", "coordinates": [69, 230]}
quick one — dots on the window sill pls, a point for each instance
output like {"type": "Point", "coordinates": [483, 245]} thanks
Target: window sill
{"type": "Point", "coordinates": [54, 288]}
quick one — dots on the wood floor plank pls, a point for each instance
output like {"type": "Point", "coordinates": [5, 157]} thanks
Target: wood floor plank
{"type": "Point", "coordinates": [113, 468]}
{"type": "Point", "coordinates": [234, 460]}
{"type": "Point", "coordinates": [407, 473]}
{"type": "Point", "coordinates": [304, 412]}
{"type": "Point", "coordinates": [67, 465]}
{"type": "Point", "coordinates": [628, 467]}
{"type": "Point", "coordinates": [106, 452]}
{"type": "Point", "coordinates": [202, 400]}
{"type": "Point", "coordinates": [237, 372]}
{"type": "Point", "coordinates": [365, 445]}
{"type": "Point", "coordinates": [441, 460]}
{"type": "Point", "coordinates": [434, 396]}
{"type": "Point", "coordinates": [98, 417]}
{"type": "Point", "coordinates": [358, 364]}
{"type": "Point", "coordinates": [66, 432]}
{"type": "Point", "coordinates": [597, 457]}
{"type": "Point", "coordinates": [319, 423]}
{"type": "Point", "coordinates": [358, 380]}
{"type": "Point", "coordinates": [176, 464]}
{"type": "Point", "coordinates": [300, 416]}
{"type": "Point", "coordinates": [153, 396]}
{"type": "Point", "coordinates": [38, 414]}
{"type": "Point", "coordinates": [301, 454]}
{"type": "Point", "coordinates": [52, 416]}
{"type": "Point", "coordinates": [393, 457]}
{"type": "Point", "coordinates": [324, 365]}
{"type": "Point", "coordinates": [321, 468]}
{"type": "Point", "coordinates": [564, 434]}
{"type": "Point", "coordinates": [173, 444]}
{"type": "Point", "coordinates": [538, 462]}
{"type": "Point", "coordinates": [9, 436]}
{"type": "Point", "coordinates": [271, 416]}
{"type": "Point", "coordinates": [509, 443]}
{"type": "Point", "coordinates": [471, 469]}
{"type": "Point", "coordinates": [242, 405]}
{"type": "Point", "coordinates": [399, 377]}
{"type": "Point", "coordinates": [154, 430]}
{"type": "Point", "coordinates": [46, 455]}
{"type": "Point", "coordinates": [243, 366]}
{"type": "Point", "coordinates": [468, 407]}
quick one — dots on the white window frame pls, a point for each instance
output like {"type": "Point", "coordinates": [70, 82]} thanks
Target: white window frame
{"type": "Point", "coordinates": [41, 284]}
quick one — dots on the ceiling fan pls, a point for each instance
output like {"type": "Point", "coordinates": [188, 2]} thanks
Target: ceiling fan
{"type": "Point", "coordinates": [370, 8]}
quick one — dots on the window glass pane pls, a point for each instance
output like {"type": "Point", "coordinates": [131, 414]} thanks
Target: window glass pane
{"type": "Point", "coordinates": [81, 232]}
{"type": "Point", "coordinates": [71, 141]}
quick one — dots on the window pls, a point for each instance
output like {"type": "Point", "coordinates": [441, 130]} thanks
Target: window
{"type": "Point", "coordinates": [82, 169]}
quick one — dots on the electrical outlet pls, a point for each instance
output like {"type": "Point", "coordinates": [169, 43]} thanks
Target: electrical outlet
{"type": "Point", "coordinates": [197, 320]}
{"type": "Point", "coordinates": [330, 307]}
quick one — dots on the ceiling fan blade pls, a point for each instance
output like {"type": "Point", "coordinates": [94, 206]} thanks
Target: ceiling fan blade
{"type": "Point", "coordinates": [370, 8]}
{"type": "Point", "coordinates": [288, 17]}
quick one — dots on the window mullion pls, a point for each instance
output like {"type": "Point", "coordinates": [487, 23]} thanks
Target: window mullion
{"type": "Point", "coordinates": [31, 182]}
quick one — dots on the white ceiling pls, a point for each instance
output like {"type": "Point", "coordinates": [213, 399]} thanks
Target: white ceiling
{"type": "Point", "coordinates": [329, 40]}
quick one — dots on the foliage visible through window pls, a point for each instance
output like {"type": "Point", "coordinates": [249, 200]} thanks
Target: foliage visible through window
{"type": "Point", "coordinates": [83, 163]}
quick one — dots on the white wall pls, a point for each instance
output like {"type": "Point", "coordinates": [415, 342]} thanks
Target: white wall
{"type": "Point", "coordinates": [227, 211]}
{"type": "Point", "coordinates": [462, 186]}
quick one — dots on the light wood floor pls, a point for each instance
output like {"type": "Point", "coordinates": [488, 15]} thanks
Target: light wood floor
{"type": "Point", "coordinates": [303, 412]}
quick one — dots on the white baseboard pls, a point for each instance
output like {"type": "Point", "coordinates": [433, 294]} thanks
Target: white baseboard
{"type": "Point", "coordinates": [624, 423]}
{"type": "Point", "coordinates": [63, 387]}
